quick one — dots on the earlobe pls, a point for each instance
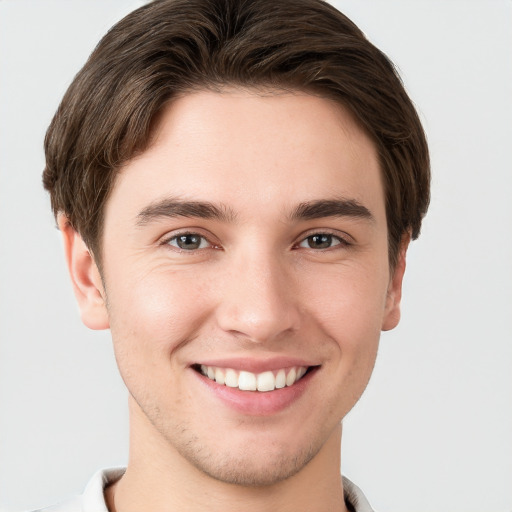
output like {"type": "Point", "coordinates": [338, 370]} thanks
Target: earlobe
{"type": "Point", "coordinates": [85, 277]}
{"type": "Point", "coordinates": [394, 294]}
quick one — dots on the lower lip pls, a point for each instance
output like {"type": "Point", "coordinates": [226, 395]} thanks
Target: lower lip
{"type": "Point", "coordinates": [258, 403]}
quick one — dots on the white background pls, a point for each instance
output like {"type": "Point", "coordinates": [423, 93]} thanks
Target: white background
{"type": "Point", "coordinates": [434, 430]}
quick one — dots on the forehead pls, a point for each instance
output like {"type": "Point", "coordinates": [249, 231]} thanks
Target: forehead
{"type": "Point", "coordinates": [268, 149]}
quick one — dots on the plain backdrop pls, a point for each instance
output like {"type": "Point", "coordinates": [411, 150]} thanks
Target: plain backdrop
{"type": "Point", "coordinates": [434, 430]}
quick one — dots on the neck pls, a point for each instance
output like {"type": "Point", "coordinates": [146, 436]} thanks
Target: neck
{"type": "Point", "coordinates": [159, 478]}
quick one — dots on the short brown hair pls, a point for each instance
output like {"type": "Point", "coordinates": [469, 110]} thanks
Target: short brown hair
{"type": "Point", "coordinates": [171, 47]}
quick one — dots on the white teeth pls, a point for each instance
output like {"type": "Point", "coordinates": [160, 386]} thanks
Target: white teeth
{"type": "Point", "coordinates": [280, 379]}
{"type": "Point", "coordinates": [220, 378]}
{"type": "Point", "coordinates": [248, 381]}
{"type": "Point", "coordinates": [290, 378]}
{"type": "Point", "coordinates": [266, 381]}
{"type": "Point", "coordinates": [231, 378]}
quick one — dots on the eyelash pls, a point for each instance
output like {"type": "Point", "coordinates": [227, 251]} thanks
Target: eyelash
{"type": "Point", "coordinates": [203, 238]}
{"type": "Point", "coordinates": [340, 241]}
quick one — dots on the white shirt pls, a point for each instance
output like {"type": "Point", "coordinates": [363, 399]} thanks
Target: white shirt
{"type": "Point", "coordinates": [93, 498]}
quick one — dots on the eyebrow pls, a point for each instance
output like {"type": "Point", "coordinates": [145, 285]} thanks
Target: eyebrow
{"type": "Point", "coordinates": [331, 208]}
{"type": "Point", "coordinates": [309, 210]}
{"type": "Point", "coordinates": [175, 207]}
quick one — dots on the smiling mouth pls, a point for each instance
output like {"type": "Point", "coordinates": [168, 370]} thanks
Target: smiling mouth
{"type": "Point", "coordinates": [249, 381]}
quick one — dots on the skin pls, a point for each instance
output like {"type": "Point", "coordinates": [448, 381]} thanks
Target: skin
{"type": "Point", "coordinates": [257, 287]}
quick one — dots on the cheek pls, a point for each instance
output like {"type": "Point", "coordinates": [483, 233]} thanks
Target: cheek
{"type": "Point", "coordinates": [153, 314]}
{"type": "Point", "coordinates": [349, 313]}
{"type": "Point", "coordinates": [352, 324]}
{"type": "Point", "coordinates": [349, 302]}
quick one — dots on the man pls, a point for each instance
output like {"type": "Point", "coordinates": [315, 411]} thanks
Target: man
{"type": "Point", "coordinates": [237, 183]}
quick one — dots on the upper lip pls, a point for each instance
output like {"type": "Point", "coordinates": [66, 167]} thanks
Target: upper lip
{"type": "Point", "coordinates": [256, 365]}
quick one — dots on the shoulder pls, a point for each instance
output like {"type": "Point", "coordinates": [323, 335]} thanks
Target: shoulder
{"type": "Point", "coordinates": [355, 498]}
{"type": "Point", "coordinates": [92, 500]}
{"type": "Point", "coordinates": [70, 505]}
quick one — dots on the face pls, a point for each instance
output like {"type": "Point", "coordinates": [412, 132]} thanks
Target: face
{"type": "Point", "coordinates": [246, 280]}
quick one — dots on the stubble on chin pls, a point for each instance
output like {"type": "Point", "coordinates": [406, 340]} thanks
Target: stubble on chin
{"type": "Point", "coordinates": [249, 466]}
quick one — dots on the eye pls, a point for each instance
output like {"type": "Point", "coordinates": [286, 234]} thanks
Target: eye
{"type": "Point", "coordinates": [321, 241]}
{"type": "Point", "coordinates": [189, 242]}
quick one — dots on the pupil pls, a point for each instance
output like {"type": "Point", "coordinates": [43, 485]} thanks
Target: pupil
{"type": "Point", "coordinates": [189, 242]}
{"type": "Point", "coordinates": [320, 241]}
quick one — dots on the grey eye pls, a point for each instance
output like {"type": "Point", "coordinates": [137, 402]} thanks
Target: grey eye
{"type": "Point", "coordinates": [189, 242]}
{"type": "Point", "coordinates": [320, 241]}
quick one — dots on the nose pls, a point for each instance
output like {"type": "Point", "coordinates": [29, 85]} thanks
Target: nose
{"type": "Point", "coordinates": [257, 299]}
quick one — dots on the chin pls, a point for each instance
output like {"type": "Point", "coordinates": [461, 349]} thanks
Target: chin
{"type": "Point", "coordinates": [249, 469]}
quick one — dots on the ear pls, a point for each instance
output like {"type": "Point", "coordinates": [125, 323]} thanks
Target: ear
{"type": "Point", "coordinates": [85, 277]}
{"type": "Point", "coordinates": [394, 294]}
